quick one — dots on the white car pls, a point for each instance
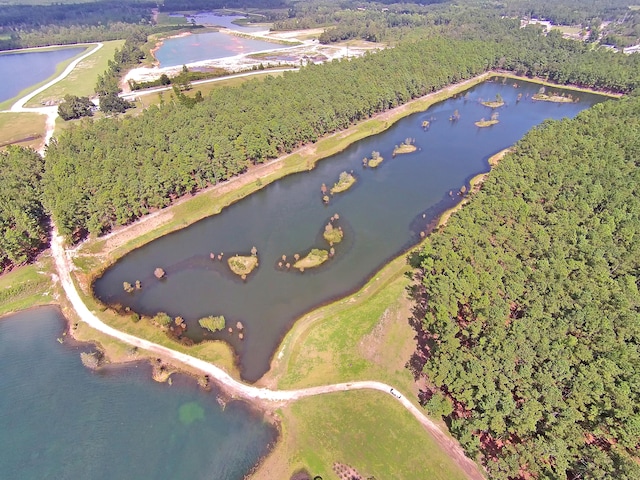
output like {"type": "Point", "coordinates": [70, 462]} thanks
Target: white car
{"type": "Point", "coordinates": [395, 393]}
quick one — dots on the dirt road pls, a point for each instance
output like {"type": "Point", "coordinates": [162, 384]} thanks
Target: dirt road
{"type": "Point", "coordinates": [63, 265]}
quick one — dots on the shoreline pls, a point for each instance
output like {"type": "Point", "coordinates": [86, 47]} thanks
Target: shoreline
{"type": "Point", "coordinates": [122, 241]}
{"type": "Point", "coordinates": [384, 120]}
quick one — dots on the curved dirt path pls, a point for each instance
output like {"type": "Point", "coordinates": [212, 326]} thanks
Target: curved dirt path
{"type": "Point", "coordinates": [63, 265]}
{"type": "Point", "coordinates": [50, 112]}
{"type": "Point", "coordinates": [19, 105]}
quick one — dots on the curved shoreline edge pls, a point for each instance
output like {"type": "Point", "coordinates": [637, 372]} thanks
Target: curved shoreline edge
{"type": "Point", "coordinates": [233, 386]}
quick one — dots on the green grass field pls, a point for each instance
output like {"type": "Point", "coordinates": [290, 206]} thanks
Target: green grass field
{"type": "Point", "coordinates": [362, 337]}
{"type": "Point", "coordinates": [26, 287]}
{"type": "Point", "coordinates": [82, 80]}
{"type": "Point", "coordinates": [366, 430]}
{"type": "Point", "coordinates": [145, 101]}
{"type": "Point", "coordinates": [20, 126]}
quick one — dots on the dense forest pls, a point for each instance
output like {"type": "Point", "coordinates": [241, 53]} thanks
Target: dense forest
{"type": "Point", "coordinates": [22, 217]}
{"type": "Point", "coordinates": [37, 25]}
{"type": "Point", "coordinates": [109, 173]}
{"type": "Point", "coordinates": [529, 305]}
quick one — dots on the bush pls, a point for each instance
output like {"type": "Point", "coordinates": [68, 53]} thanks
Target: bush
{"type": "Point", "coordinates": [213, 324]}
{"type": "Point", "coordinates": [162, 319]}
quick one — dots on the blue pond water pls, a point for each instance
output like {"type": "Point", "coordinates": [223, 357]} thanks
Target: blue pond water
{"type": "Point", "coordinates": [207, 46]}
{"type": "Point", "coordinates": [59, 420]}
{"type": "Point", "coordinates": [22, 70]}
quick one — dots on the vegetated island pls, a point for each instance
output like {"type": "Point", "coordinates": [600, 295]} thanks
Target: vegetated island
{"type": "Point", "coordinates": [375, 160]}
{"type": "Point", "coordinates": [243, 265]}
{"type": "Point", "coordinates": [332, 234]}
{"type": "Point", "coordinates": [552, 98]}
{"type": "Point", "coordinates": [407, 146]}
{"type": "Point", "coordinates": [314, 258]}
{"type": "Point", "coordinates": [345, 182]}
{"type": "Point", "coordinates": [213, 323]}
{"type": "Point", "coordinates": [487, 123]}
{"type": "Point", "coordinates": [497, 103]}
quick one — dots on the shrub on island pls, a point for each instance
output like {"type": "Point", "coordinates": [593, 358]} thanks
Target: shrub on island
{"type": "Point", "coordinates": [243, 265]}
{"type": "Point", "coordinates": [213, 323]}
{"type": "Point", "coordinates": [407, 146]}
{"type": "Point", "coordinates": [375, 160]}
{"type": "Point", "coordinates": [314, 258]}
{"type": "Point", "coordinates": [345, 181]}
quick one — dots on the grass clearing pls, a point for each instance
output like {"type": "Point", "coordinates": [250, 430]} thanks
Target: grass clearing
{"type": "Point", "coordinates": [26, 287]}
{"type": "Point", "coordinates": [365, 336]}
{"type": "Point", "coordinates": [145, 101]}
{"type": "Point", "coordinates": [366, 430]}
{"type": "Point", "coordinates": [23, 129]}
{"type": "Point", "coordinates": [82, 80]}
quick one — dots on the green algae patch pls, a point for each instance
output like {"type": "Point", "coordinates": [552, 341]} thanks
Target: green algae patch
{"type": "Point", "coordinates": [190, 412]}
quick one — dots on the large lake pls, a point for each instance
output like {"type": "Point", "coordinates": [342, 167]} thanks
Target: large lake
{"type": "Point", "coordinates": [21, 70]}
{"type": "Point", "coordinates": [59, 420]}
{"type": "Point", "coordinates": [208, 46]}
{"type": "Point", "coordinates": [382, 216]}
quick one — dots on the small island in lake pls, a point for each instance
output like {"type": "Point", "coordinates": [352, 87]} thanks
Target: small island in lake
{"type": "Point", "coordinates": [487, 123]}
{"type": "Point", "coordinates": [552, 97]}
{"type": "Point", "coordinates": [407, 146]}
{"type": "Point", "coordinates": [375, 160]}
{"type": "Point", "coordinates": [497, 103]}
{"type": "Point", "coordinates": [332, 234]}
{"type": "Point", "coordinates": [314, 258]}
{"type": "Point", "coordinates": [345, 181]}
{"type": "Point", "coordinates": [243, 265]}
{"type": "Point", "coordinates": [212, 323]}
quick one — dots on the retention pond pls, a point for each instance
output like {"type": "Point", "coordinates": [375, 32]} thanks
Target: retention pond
{"type": "Point", "coordinates": [60, 420]}
{"type": "Point", "coordinates": [383, 214]}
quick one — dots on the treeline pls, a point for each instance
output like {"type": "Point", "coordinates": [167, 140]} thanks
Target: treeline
{"type": "Point", "coordinates": [32, 26]}
{"type": "Point", "coordinates": [203, 5]}
{"type": "Point", "coordinates": [565, 12]}
{"type": "Point", "coordinates": [110, 172]}
{"type": "Point", "coordinates": [528, 305]}
{"type": "Point", "coordinates": [23, 221]}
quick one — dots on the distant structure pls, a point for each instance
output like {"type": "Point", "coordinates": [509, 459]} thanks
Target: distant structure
{"type": "Point", "coordinates": [633, 49]}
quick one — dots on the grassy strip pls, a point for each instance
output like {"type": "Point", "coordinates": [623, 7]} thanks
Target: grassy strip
{"type": "Point", "coordinates": [365, 336]}
{"type": "Point", "coordinates": [59, 69]}
{"type": "Point", "coordinates": [82, 80]}
{"type": "Point", "coordinates": [145, 101]}
{"type": "Point", "coordinates": [20, 126]}
{"type": "Point", "coordinates": [366, 430]}
{"type": "Point", "coordinates": [26, 287]}
{"type": "Point", "coordinates": [541, 81]}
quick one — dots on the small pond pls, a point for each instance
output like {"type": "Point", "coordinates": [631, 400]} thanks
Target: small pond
{"type": "Point", "coordinates": [198, 47]}
{"type": "Point", "coordinates": [381, 216]}
{"type": "Point", "coordinates": [59, 420]}
{"type": "Point", "coordinates": [21, 70]}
